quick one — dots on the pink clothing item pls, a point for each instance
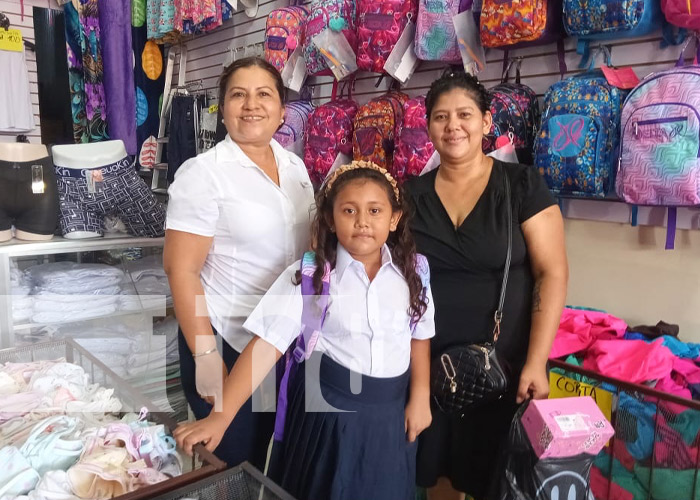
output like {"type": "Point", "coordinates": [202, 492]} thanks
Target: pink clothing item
{"type": "Point", "coordinates": [687, 369]}
{"type": "Point", "coordinates": [196, 11]}
{"type": "Point", "coordinates": [602, 489]}
{"type": "Point", "coordinates": [630, 360]}
{"type": "Point", "coordinates": [670, 386]}
{"type": "Point", "coordinates": [579, 329]}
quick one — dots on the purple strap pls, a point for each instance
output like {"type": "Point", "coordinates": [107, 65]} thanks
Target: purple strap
{"type": "Point", "coordinates": [671, 228]}
{"type": "Point", "coordinates": [311, 323]}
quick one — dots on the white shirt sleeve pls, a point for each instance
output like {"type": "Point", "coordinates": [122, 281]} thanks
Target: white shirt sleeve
{"type": "Point", "coordinates": [425, 329]}
{"type": "Point", "coordinates": [277, 317]}
{"type": "Point", "coordinates": [193, 200]}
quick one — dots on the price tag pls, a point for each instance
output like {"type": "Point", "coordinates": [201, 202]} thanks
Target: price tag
{"type": "Point", "coordinates": [11, 40]}
{"type": "Point", "coordinates": [622, 78]}
{"type": "Point", "coordinates": [214, 108]}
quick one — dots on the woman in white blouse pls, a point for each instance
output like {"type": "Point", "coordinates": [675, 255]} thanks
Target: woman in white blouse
{"type": "Point", "coordinates": [238, 215]}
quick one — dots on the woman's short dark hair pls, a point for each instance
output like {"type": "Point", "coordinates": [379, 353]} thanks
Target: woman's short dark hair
{"type": "Point", "coordinates": [249, 62]}
{"type": "Point", "coordinates": [457, 79]}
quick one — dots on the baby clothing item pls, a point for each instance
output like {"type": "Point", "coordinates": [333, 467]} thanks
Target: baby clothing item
{"type": "Point", "coordinates": [53, 444]}
{"type": "Point", "coordinates": [87, 195]}
{"type": "Point", "coordinates": [29, 211]}
{"type": "Point", "coordinates": [17, 476]}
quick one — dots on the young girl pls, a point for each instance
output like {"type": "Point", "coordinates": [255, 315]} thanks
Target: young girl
{"type": "Point", "coordinates": [351, 419]}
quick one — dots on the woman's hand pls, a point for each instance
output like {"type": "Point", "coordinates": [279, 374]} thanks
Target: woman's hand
{"type": "Point", "coordinates": [534, 383]}
{"type": "Point", "coordinates": [208, 431]}
{"type": "Point", "coordinates": [210, 374]}
{"type": "Point", "coordinates": [418, 417]}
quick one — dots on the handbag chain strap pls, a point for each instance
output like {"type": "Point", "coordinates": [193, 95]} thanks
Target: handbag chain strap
{"type": "Point", "coordinates": [498, 315]}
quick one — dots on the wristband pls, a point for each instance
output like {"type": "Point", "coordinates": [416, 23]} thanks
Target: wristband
{"type": "Point", "coordinates": [204, 353]}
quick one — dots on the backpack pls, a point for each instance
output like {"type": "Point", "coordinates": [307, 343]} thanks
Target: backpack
{"type": "Point", "coordinates": [296, 117]}
{"type": "Point", "coordinates": [328, 133]}
{"type": "Point", "coordinates": [610, 19]}
{"type": "Point", "coordinates": [660, 144]}
{"type": "Point", "coordinates": [683, 13]}
{"type": "Point", "coordinates": [576, 147]}
{"type": "Point", "coordinates": [377, 125]}
{"type": "Point", "coordinates": [379, 27]}
{"type": "Point", "coordinates": [515, 112]}
{"type": "Point", "coordinates": [284, 31]}
{"type": "Point", "coordinates": [413, 146]}
{"type": "Point", "coordinates": [520, 24]}
{"type": "Point", "coordinates": [313, 315]}
{"type": "Point", "coordinates": [435, 33]}
{"type": "Point", "coordinates": [337, 15]}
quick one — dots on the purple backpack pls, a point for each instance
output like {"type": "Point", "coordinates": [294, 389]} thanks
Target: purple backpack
{"type": "Point", "coordinates": [296, 117]}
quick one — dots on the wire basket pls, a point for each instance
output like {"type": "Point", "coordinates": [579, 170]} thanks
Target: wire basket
{"type": "Point", "coordinates": [243, 482]}
{"type": "Point", "coordinates": [655, 453]}
{"type": "Point", "coordinates": [132, 400]}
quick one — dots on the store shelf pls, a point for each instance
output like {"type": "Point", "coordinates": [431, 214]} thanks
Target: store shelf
{"type": "Point", "coordinates": [58, 244]}
{"type": "Point", "coordinates": [156, 312]}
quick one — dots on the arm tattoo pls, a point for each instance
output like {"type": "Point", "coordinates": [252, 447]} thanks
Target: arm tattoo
{"type": "Point", "coordinates": [536, 299]}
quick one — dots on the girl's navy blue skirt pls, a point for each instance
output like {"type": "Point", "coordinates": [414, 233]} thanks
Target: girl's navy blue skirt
{"type": "Point", "coordinates": [341, 444]}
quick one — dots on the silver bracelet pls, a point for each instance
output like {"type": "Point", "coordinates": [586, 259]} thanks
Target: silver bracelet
{"type": "Point", "coordinates": [204, 353]}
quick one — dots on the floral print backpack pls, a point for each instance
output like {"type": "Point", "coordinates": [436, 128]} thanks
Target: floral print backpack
{"type": "Point", "coordinates": [284, 31]}
{"type": "Point", "coordinates": [413, 147]}
{"type": "Point", "coordinates": [380, 24]}
{"type": "Point", "coordinates": [577, 145]}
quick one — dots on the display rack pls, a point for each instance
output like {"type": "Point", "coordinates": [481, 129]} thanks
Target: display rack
{"type": "Point", "coordinates": [58, 245]}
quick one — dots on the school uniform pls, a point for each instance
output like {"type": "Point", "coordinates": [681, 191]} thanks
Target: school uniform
{"type": "Point", "coordinates": [345, 433]}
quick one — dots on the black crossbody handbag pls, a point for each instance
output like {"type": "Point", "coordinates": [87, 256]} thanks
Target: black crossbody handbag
{"type": "Point", "coordinates": [468, 376]}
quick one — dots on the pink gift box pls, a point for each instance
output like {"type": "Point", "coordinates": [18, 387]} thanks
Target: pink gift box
{"type": "Point", "coordinates": [566, 427]}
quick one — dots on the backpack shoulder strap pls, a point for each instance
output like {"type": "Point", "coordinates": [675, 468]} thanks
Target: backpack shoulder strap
{"type": "Point", "coordinates": [314, 307]}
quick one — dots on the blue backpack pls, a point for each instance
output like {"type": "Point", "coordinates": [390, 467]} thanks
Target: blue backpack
{"type": "Point", "coordinates": [577, 145]}
{"type": "Point", "coordinates": [592, 20]}
{"type": "Point", "coordinates": [312, 317]}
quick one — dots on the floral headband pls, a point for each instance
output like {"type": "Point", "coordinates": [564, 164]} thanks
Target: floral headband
{"type": "Point", "coordinates": [362, 164]}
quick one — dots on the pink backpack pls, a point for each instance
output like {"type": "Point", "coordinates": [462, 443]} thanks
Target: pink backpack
{"type": "Point", "coordinates": [284, 31]}
{"type": "Point", "coordinates": [683, 13]}
{"type": "Point", "coordinates": [336, 15]}
{"type": "Point", "coordinates": [379, 27]}
{"type": "Point", "coordinates": [413, 147]}
{"type": "Point", "coordinates": [328, 133]}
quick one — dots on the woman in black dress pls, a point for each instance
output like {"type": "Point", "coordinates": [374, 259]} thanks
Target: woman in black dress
{"type": "Point", "coordinates": [460, 226]}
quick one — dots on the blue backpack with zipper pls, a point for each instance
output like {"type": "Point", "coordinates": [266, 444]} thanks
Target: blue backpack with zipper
{"type": "Point", "coordinates": [577, 146]}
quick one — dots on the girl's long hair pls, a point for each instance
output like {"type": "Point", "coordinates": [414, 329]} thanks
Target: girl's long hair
{"type": "Point", "coordinates": [324, 242]}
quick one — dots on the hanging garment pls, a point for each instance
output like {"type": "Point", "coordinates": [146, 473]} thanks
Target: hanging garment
{"type": "Point", "coordinates": [16, 113]}
{"type": "Point", "coordinates": [149, 78]}
{"type": "Point", "coordinates": [95, 112]}
{"type": "Point", "coordinates": [182, 136]}
{"type": "Point", "coordinates": [76, 80]}
{"type": "Point", "coordinates": [118, 189]}
{"type": "Point", "coordinates": [120, 93]}
{"type": "Point", "coordinates": [197, 16]}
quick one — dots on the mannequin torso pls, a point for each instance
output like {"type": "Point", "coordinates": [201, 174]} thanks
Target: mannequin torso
{"type": "Point", "coordinates": [22, 152]}
{"type": "Point", "coordinates": [87, 156]}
